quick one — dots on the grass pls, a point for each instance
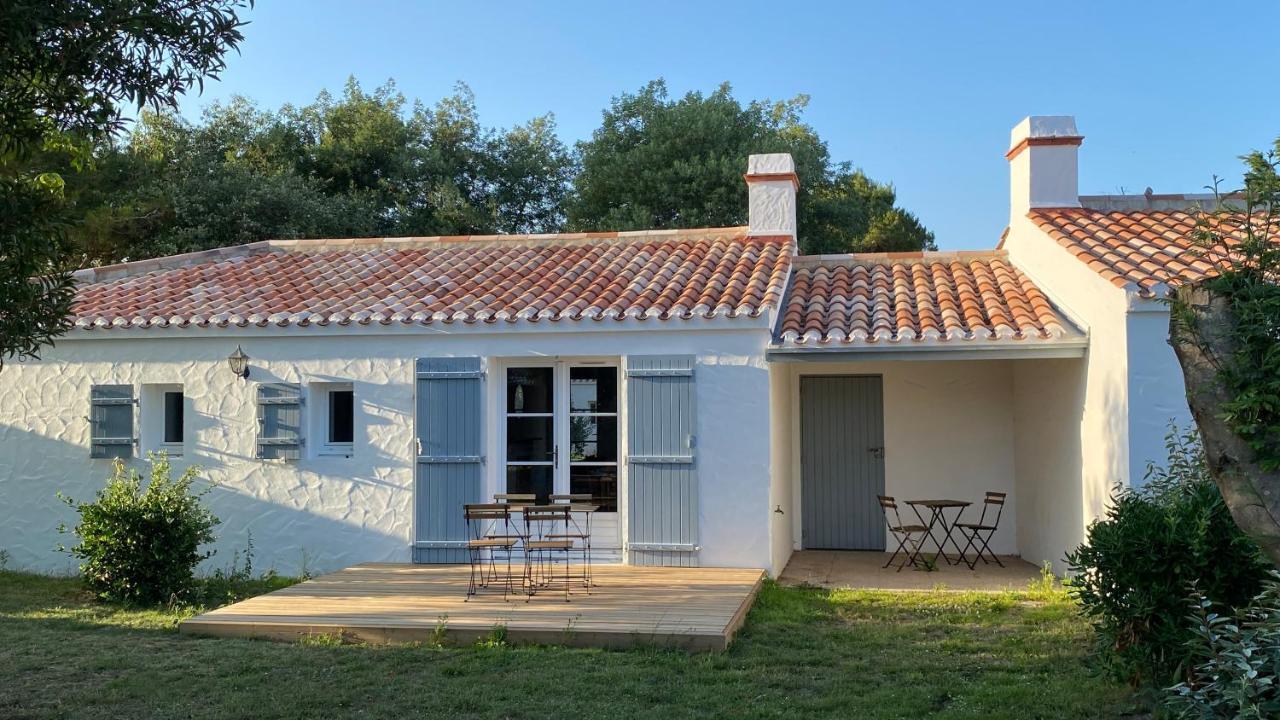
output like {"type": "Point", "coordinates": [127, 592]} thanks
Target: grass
{"type": "Point", "coordinates": [803, 653]}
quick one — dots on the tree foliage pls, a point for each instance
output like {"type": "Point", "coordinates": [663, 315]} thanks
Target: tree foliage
{"type": "Point", "coordinates": [67, 69]}
{"type": "Point", "coordinates": [658, 162]}
{"type": "Point", "coordinates": [1225, 330]}
{"type": "Point", "coordinates": [1237, 670]}
{"type": "Point", "coordinates": [359, 164]}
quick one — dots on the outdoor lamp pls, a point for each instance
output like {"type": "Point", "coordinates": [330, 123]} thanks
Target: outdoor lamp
{"type": "Point", "coordinates": [239, 363]}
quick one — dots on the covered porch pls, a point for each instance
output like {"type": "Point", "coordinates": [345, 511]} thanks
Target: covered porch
{"type": "Point", "coordinates": [926, 377]}
{"type": "Point", "coordinates": [929, 429]}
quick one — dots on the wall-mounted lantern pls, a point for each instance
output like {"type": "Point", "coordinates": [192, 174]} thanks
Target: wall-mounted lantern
{"type": "Point", "coordinates": [239, 363]}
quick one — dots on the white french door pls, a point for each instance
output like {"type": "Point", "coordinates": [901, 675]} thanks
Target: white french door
{"type": "Point", "coordinates": [561, 436]}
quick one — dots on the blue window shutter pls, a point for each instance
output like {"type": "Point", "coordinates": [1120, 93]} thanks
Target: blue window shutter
{"type": "Point", "coordinates": [662, 489]}
{"type": "Point", "coordinates": [449, 456]}
{"type": "Point", "coordinates": [279, 421]}
{"type": "Point", "coordinates": [111, 421]}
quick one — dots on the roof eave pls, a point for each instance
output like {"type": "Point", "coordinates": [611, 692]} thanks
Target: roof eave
{"type": "Point", "coordinates": [1074, 347]}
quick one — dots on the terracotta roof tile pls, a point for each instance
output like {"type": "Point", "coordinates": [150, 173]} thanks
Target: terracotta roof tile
{"type": "Point", "coordinates": [915, 297]}
{"type": "Point", "coordinates": [1142, 249]}
{"type": "Point", "coordinates": [663, 275]}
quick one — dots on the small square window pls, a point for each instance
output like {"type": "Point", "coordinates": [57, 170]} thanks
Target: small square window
{"type": "Point", "coordinates": [341, 416]}
{"type": "Point", "coordinates": [173, 402]}
{"type": "Point", "coordinates": [332, 419]}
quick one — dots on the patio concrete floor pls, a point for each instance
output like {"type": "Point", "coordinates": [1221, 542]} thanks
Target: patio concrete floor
{"type": "Point", "coordinates": [865, 570]}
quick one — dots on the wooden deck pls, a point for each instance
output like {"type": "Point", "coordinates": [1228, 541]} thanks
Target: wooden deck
{"type": "Point", "coordinates": [690, 608]}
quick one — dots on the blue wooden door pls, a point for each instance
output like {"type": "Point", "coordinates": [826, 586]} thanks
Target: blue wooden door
{"type": "Point", "coordinates": [663, 472]}
{"type": "Point", "coordinates": [449, 456]}
{"type": "Point", "coordinates": [842, 462]}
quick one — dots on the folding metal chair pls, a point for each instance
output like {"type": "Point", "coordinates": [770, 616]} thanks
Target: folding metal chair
{"type": "Point", "coordinates": [913, 535]}
{"type": "Point", "coordinates": [578, 502]}
{"type": "Point", "coordinates": [489, 533]}
{"type": "Point", "coordinates": [981, 532]}
{"type": "Point", "coordinates": [541, 548]}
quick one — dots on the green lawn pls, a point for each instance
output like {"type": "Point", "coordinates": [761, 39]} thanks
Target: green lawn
{"type": "Point", "coordinates": [803, 653]}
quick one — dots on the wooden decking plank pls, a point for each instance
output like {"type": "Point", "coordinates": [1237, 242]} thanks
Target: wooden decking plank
{"type": "Point", "coordinates": [695, 608]}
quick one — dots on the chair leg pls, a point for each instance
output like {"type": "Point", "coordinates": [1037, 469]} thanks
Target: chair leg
{"type": "Point", "coordinates": [986, 546]}
{"type": "Point", "coordinates": [471, 577]}
{"type": "Point", "coordinates": [964, 554]}
{"type": "Point", "coordinates": [917, 548]}
{"type": "Point", "coordinates": [901, 542]}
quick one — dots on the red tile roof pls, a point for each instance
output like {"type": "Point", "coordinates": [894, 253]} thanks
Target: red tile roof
{"type": "Point", "coordinates": [1142, 249]}
{"type": "Point", "coordinates": [916, 298]}
{"type": "Point", "coordinates": [664, 275]}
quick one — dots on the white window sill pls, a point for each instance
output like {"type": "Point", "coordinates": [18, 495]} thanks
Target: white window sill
{"type": "Point", "coordinates": [336, 451]}
{"type": "Point", "coordinates": [171, 450]}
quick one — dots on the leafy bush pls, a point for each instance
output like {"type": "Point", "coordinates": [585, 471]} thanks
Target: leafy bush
{"type": "Point", "coordinates": [141, 544]}
{"type": "Point", "coordinates": [1239, 672]}
{"type": "Point", "coordinates": [1139, 562]}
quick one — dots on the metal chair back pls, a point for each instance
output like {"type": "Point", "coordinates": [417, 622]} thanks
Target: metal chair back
{"type": "Point", "coordinates": [516, 499]}
{"type": "Point", "coordinates": [996, 500]}
{"type": "Point", "coordinates": [571, 498]}
{"type": "Point", "coordinates": [482, 517]}
{"type": "Point", "coordinates": [887, 505]}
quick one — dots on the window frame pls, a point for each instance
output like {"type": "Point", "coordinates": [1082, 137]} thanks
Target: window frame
{"type": "Point", "coordinates": [153, 417]}
{"type": "Point", "coordinates": [321, 421]}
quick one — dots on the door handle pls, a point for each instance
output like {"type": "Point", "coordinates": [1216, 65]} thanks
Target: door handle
{"type": "Point", "coordinates": [555, 456]}
{"type": "Point", "coordinates": [878, 452]}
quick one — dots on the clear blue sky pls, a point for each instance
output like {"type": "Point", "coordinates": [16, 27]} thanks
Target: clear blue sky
{"type": "Point", "coordinates": [920, 94]}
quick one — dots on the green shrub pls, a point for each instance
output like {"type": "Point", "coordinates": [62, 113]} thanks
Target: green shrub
{"type": "Point", "coordinates": [140, 544]}
{"type": "Point", "coordinates": [1140, 561]}
{"type": "Point", "coordinates": [1238, 675]}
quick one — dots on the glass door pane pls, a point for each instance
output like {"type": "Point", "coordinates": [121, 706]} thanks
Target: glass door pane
{"type": "Point", "coordinates": [593, 434]}
{"type": "Point", "coordinates": [530, 430]}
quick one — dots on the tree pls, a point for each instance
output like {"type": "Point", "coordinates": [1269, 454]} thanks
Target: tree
{"type": "Point", "coordinates": [355, 164]}
{"type": "Point", "coordinates": [1225, 330]}
{"type": "Point", "coordinates": [66, 71]}
{"type": "Point", "coordinates": [662, 163]}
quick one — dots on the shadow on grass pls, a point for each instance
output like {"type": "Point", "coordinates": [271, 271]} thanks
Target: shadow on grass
{"type": "Point", "coordinates": [65, 603]}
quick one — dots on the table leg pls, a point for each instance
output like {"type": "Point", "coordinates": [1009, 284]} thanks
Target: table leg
{"type": "Point", "coordinates": [929, 525]}
{"type": "Point", "coordinates": [949, 530]}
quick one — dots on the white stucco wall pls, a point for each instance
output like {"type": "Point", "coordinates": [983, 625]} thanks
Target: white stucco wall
{"type": "Point", "coordinates": [949, 433]}
{"type": "Point", "coordinates": [1048, 409]}
{"type": "Point", "coordinates": [1098, 308]}
{"type": "Point", "coordinates": [782, 483]}
{"type": "Point", "coordinates": [1157, 395]}
{"type": "Point", "coordinates": [1134, 383]}
{"type": "Point", "coordinates": [331, 512]}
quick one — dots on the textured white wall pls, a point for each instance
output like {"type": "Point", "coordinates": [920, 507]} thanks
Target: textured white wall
{"type": "Point", "coordinates": [782, 485]}
{"type": "Point", "coordinates": [1099, 308]}
{"type": "Point", "coordinates": [1157, 395]}
{"type": "Point", "coordinates": [1048, 405]}
{"type": "Point", "coordinates": [771, 203]}
{"type": "Point", "coordinates": [330, 512]}
{"type": "Point", "coordinates": [948, 433]}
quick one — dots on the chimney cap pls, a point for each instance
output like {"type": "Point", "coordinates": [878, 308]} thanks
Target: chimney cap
{"type": "Point", "coordinates": [1043, 130]}
{"type": "Point", "coordinates": [771, 164]}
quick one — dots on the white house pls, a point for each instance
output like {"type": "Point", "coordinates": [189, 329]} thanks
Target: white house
{"type": "Point", "coordinates": [727, 401]}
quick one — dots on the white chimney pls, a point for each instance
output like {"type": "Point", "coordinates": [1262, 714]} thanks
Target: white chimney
{"type": "Point", "coordinates": [771, 188]}
{"type": "Point", "coordinates": [1044, 164]}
